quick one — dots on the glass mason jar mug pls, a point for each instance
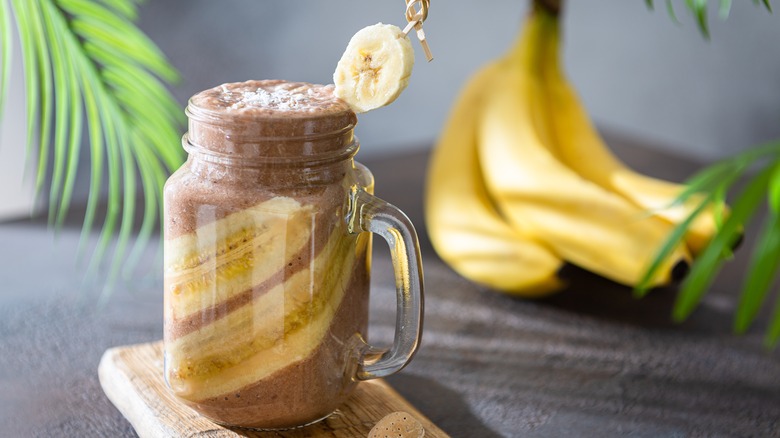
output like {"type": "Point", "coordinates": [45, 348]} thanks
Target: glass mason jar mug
{"type": "Point", "coordinates": [267, 258]}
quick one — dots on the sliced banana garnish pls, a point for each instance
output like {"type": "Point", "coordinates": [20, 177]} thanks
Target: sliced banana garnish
{"type": "Point", "coordinates": [375, 67]}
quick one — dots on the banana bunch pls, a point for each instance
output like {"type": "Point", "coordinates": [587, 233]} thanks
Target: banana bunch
{"type": "Point", "coordinates": [520, 183]}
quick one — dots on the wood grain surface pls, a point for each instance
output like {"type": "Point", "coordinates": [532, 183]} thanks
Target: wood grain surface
{"type": "Point", "coordinates": [132, 378]}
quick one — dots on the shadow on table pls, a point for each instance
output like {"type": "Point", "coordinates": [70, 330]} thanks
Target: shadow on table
{"type": "Point", "coordinates": [441, 405]}
{"type": "Point", "coordinates": [596, 296]}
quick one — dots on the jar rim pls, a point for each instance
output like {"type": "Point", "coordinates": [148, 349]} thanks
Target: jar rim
{"type": "Point", "coordinates": [311, 160]}
{"type": "Point", "coordinates": [217, 117]}
{"type": "Point", "coordinates": [271, 120]}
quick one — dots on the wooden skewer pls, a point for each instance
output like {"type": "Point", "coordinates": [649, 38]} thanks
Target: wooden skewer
{"type": "Point", "coordinates": [416, 17]}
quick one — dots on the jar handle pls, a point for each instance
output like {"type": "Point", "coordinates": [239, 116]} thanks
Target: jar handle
{"type": "Point", "coordinates": [368, 213]}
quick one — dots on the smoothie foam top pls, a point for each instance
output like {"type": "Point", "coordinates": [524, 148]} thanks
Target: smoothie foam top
{"type": "Point", "coordinates": [269, 98]}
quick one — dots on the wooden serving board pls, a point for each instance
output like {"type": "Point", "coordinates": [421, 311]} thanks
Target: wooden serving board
{"type": "Point", "coordinates": [132, 378]}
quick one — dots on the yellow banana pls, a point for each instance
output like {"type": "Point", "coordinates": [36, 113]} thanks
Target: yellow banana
{"type": "Point", "coordinates": [580, 221]}
{"type": "Point", "coordinates": [581, 147]}
{"type": "Point", "coordinates": [464, 226]}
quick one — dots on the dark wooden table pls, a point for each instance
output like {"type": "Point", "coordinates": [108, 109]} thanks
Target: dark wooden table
{"type": "Point", "coordinates": [588, 362]}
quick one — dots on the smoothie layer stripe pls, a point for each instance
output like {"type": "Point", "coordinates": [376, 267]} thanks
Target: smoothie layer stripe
{"type": "Point", "coordinates": [200, 318]}
{"type": "Point", "coordinates": [219, 223]}
{"type": "Point", "coordinates": [298, 345]}
{"type": "Point", "coordinates": [237, 271]}
{"type": "Point", "coordinates": [276, 373]}
{"type": "Point", "coordinates": [271, 316]}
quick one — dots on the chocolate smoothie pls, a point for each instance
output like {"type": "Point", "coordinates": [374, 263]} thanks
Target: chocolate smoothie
{"type": "Point", "coordinates": [266, 292]}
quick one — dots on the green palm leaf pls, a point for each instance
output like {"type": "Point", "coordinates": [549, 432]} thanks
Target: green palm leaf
{"type": "Point", "coordinates": [699, 10]}
{"type": "Point", "coordinates": [671, 12]}
{"type": "Point", "coordinates": [773, 334]}
{"type": "Point", "coordinates": [668, 247]}
{"type": "Point", "coordinates": [32, 86]}
{"type": "Point", "coordinates": [126, 8]}
{"type": "Point", "coordinates": [714, 183]}
{"type": "Point", "coordinates": [67, 132]}
{"type": "Point", "coordinates": [758, 280]}
{"type": "Point", "coordinates": [88, 65]}
{"type": "Point", "coordinates": [710, 261]}
{"type": "Point", "coordinates": [725, 9]}
{"type": "Point", "coordinates": [38, 79]}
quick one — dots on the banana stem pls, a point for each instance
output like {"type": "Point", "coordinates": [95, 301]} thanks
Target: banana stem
{"type": "Point", "coordinates": [538, 39]}
{"type": "Point", "coordinates": [552, 6]}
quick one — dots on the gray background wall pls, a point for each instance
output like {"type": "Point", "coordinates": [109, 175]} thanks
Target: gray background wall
{"type": "Point", "coordinates": [638, 72]}
{"type": "Point", "coordinates": [16, 180]}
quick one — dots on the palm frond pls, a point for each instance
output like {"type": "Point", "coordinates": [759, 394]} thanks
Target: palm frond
{"type": "Point", "coordinates": [714, 183]}
{"type": "Point", "coordinates": [67, 132]}
{"type": "Point", "coordinates": [97, 142]}
{"type": "Point", "coordinates": [710, 261]}
{"type": "Point", "coordinates": [698, 8]}
{"type": "Point", "coordinates": [670, 10]}
{"type": "Point", "coordinates": [152, 178]}
{"type": "Point", "coordinates": [102, 27]}
{"type": "Point", "coordinates": [39, 83]}
{"type": "Point", "coordinates": [668, 247]}
{"type": "Point", "coordinates": [773, 334]}
{"type": "Point", "coordinates": [765, 3]}
{"type": "Point", "coordinates": [126, 8]}
{"type": "Point", "coordinates": [32, 86]}
{"type": "Point", "coordinates": [774, 193]}
{"type": "Point", "coordinates": [725, 9]}
{"type": "Point", "coordinates": [88, 65]}
{"type": "Point", "coordinates": [758, 279]}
